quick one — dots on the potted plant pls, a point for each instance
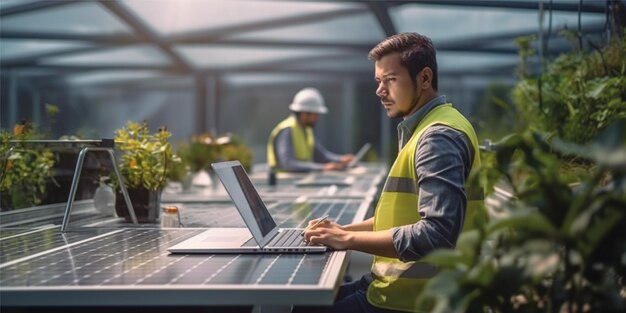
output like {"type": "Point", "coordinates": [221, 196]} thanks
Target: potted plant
{"type": "Point", "coordinates": [180, 173]}
{"type": "Point", "coordinates": [206, 148]}
{"type": "Point", "coordinates": [235, 149]}
{"type": "Point", "coordinates": [146, 160]}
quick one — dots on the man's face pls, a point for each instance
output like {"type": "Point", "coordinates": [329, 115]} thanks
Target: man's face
{"type": "Point", "coordinates": [309, 118]}
{"type": "Point", "coordinates": [397, 92]}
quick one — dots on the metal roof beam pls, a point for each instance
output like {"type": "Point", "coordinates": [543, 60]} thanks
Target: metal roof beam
{"type": "Point", "coordinates": [480, 41]}
{"type": "Point", "coordinates": [588, 7]}
{"type": "Point", "coordinates": [104, 67]}
{"type": "Point", "coordinates": [34, 59]}
{"type": "Point", "coordinates": [380, 10]}
{"type": "Point", "coordinates": [286, 44]}
{"type": "Point", "coordinates": [33, 6]}
{"type": "Point", "coordinates": [477, 44]}
{"type": "Point", "coordinates": [110, 39]}
{"type": "Point", "coordinates": [122, 39]}
{"type": "Point", "coordinates": [144, 32]}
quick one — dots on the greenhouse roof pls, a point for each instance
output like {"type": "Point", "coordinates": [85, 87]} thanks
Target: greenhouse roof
{"type": "Point", "coordinates": [103, 40]}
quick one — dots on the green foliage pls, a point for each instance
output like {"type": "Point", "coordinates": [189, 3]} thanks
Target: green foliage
{"type": "Point", "coordinates": [553, 247]}
{"type": "Point", "coordinates": [237, 150]}
{"type": "Point", "coordinates": [494, 117]}
{"type": "Point", "coordinates": [205, 149]}
{"type": "Point", "coordinates": [578, 95]}
{"type": "Point", "coordinates": [179, 170]}
{"type": "Point", "coordinates": [25, 171]}
{"type": "Point", "coordinates": [197, 154]}
{"type": "Point", "coordinates": [147, 158]}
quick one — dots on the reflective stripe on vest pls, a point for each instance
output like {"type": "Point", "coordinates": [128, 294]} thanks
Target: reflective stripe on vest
{"type": "Point", "coordinates": [397, 284]}
{"type": "Point", "coordinates": [303, 141]}
{"type": "Point", "coordinates": [408, 185]}
{"type": "Point", "coordinates": [400, 184]}
{"type": "Point", "coordinates": [406, 270]}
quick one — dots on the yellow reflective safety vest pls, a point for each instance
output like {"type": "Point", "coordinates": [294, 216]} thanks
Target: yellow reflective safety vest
{"type": "Point", "coordinates": [303, 141]}
{"type": "Point", "coordinates": [398, 284]}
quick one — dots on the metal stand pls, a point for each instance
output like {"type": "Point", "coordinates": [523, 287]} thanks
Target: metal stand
{"type": "Point", "coordinates": [95, 145]}
{"type": "Point", "coordinates": [77, 171]}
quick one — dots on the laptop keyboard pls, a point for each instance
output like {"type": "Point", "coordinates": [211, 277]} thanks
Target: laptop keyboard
{"type": "Point", "coordinates": [288, 238]}
{"type": "Point", "coordinates": [285, 238]}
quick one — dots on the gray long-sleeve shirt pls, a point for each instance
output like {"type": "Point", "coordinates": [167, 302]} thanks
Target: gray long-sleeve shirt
{"type": "Point", "coordinates": [286, 156]}
{"type": "Point", "coordinates": [443, 160]}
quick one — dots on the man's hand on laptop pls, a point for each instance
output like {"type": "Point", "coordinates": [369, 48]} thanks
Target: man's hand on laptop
{"type": "Point", "coordinates": [328, 233]}
{"type": "Point", "coordinates": [334, 166]}
{"type": "Point", "coordinates": [346, 158]}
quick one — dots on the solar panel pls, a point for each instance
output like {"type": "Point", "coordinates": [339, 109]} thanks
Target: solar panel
{"type": "Point", "coordinates": [288, 214]}
{"type": "Point", "coordinates": [16, 245]}
{"type": "Point", "coordinates": [363, 186]}
{"type": "Point", "coordinates": [97, 256]}
{"type": "Point", "coordinates": [120, 261]}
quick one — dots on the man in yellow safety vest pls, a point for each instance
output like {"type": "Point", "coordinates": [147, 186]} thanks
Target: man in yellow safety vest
{"type": "Point", "coordinates": [425, 203]}
{"type": "Point", "coordinates": [292, 146]}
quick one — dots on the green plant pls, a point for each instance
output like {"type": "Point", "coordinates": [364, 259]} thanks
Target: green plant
{"type": "Point", "coordinates": [235, 149]}
{"type": "Point", "coordinates": [553, 247]}
{"type": "Point", "coordinates": [179, 171]}
{"type": "Point", "coordinates": [578, 94]}
{"type": "Point", "coordinates": [494, 117]}
{"type": "Point", "coordinates": [199, 153]}
{"type": "Point", "coordinates": [147, 159]}
{"type": "Point", "coordinates": [205, 149]}
{"type": "Point", "coordinates": [25, 170]}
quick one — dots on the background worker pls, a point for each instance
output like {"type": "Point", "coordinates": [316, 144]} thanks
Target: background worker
{"type": "Point", "coordinates": [292, 146]}
{"type": "Point", "coordinates": [424, 204]}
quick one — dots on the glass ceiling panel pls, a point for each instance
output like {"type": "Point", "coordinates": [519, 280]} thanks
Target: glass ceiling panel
{"type": "Point", "coordinates": [598, 2]}
{"type": "Point", "coordinates": [345, 63]}
{"type": "Point", "coordinates": [132, 55]}
{"type": "Point", "coordinates": [174, 17]}
{"type": "Point", "coordinates": [446, 23]}
{"type": "Point", "coordinates": [447, 61]}
{"type": "Point", "coordinates": [34, 72]}
{"type": "Point", "coordinates": [269, 78]}
{"type": "Point", "coordinates": [19, 48]}
{"type": "Point", "coordinates": [79, 18]}
{"type": "Point", "coordinates": [111, 76]}
{"type": "Point", "coordinates": [454, 61]}
{"type": "Point", "coordinates": [360, 28]}
{"type": "Point", "coordinates": [224, 56]}
{"type": "Point", "coordinates": [555, 41]}
{"type": "Point", "coordinates": [11, 3]}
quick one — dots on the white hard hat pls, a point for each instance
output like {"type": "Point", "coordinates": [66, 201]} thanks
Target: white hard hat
{"type": "Point", "coordinates": [308, 100]}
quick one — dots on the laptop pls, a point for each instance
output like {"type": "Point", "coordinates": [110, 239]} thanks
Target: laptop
{"type": "Point", "coordinates": [339, 181]}
{"type": "Point", "coordinates": [359, 155]}
{"type": "Point", "coordinates": [262, 234]}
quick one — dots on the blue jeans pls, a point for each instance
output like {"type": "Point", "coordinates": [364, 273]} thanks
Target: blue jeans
{"type": "Point", "coordinates": [351, 298]}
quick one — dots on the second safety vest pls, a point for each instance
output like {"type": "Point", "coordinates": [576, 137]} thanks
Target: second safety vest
{"type": "Point", "coordinates": [303, 141]}
{"type": "Point", "coordinates": [398, 284]}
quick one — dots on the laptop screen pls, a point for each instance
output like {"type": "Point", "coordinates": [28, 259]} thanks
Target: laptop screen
{"type": "Point", "coordinates": [260, 212]}
{"type": "Point", "coordinates": [359, 155]}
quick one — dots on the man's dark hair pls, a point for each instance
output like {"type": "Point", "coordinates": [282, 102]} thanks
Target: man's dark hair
{"type": "Point", "coordinates": [416, 53]}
